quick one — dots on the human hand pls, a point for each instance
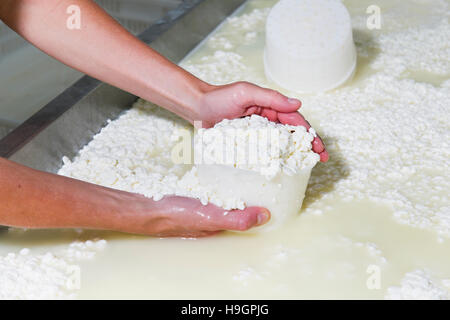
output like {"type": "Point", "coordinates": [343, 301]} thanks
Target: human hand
{"type": "Point", "coordinates": [175, 216]}
{"type": "Point", "coordinates": [243, 99]}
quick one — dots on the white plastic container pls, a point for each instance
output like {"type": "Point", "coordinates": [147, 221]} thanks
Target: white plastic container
{"type": "Point", "coordinates": [309, 45]}
{"type": "Point", "coordinates": [283, 195]}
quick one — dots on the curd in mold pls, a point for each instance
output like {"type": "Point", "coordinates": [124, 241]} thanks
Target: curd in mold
{"type": "Point", "coordinates": [260, 162]}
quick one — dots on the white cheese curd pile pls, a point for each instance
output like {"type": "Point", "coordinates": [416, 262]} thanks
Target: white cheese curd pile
{"type": "Point", "coordinates": [257, 144]}
{"type": "Point", "coordinates": [49, 275]}
{"type": "Point", "coordinates": [419, 285]}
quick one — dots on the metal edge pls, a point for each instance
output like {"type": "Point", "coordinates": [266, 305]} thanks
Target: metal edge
{"type": "Point", "coordinates": [25, 132]}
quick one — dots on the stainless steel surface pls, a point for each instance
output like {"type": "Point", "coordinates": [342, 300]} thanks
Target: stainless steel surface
{"type": "Point", "coordinates": [5, 127]}
{"type": "Point", "coordinates": [69, 121]}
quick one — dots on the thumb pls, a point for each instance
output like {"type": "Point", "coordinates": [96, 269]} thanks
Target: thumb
{"type": "Point", "coordinates": [241, 220]}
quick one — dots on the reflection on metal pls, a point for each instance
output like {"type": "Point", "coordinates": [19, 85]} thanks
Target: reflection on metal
{"type": "Point", "coordinates": [5, 127]}
{"type": "Point", "coordinates": [70, 120]}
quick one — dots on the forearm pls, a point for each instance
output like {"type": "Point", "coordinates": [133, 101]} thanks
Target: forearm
{"type": "Point", "coordinates": [35, 199]}
{"type": "Point", "coordinates": [104, 50]}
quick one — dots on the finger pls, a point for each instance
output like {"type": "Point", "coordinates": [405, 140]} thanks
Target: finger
{"type": "Point", "coordinates": [324, 156]}
{"type": "Point", "coordinates": [317, 145]}
{"type": "Point", "coordinates": [269, 114]}
{"type": "Point", "coordinates": [272, 99]}
{"type": "Point", "coordinates": [241, 220]}
{"type": "Point", "coordinates": [294, 119]}
{"type": "Point", "coordinates": [253, 110]}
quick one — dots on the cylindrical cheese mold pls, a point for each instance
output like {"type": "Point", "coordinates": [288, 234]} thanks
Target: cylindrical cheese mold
{"type": "Point", "coordinates": [309, 45]}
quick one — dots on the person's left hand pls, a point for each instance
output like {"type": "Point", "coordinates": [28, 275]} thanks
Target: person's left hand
{"type": "Point", "coordinates": [243, 99]}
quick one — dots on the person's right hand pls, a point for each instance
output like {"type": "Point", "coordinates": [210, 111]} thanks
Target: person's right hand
{"type": "Point", "coordinates": [175, 216]}
{"type": "Point", "coordinates": [242, 99]}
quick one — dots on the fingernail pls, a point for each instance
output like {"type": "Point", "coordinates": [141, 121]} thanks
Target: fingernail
{"type": "Point", "coordinates": [262, 218]}
{"type": "Point", "coordinates": [293, 101]}
{"type": "Point", "coordinates": [324, 156]}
